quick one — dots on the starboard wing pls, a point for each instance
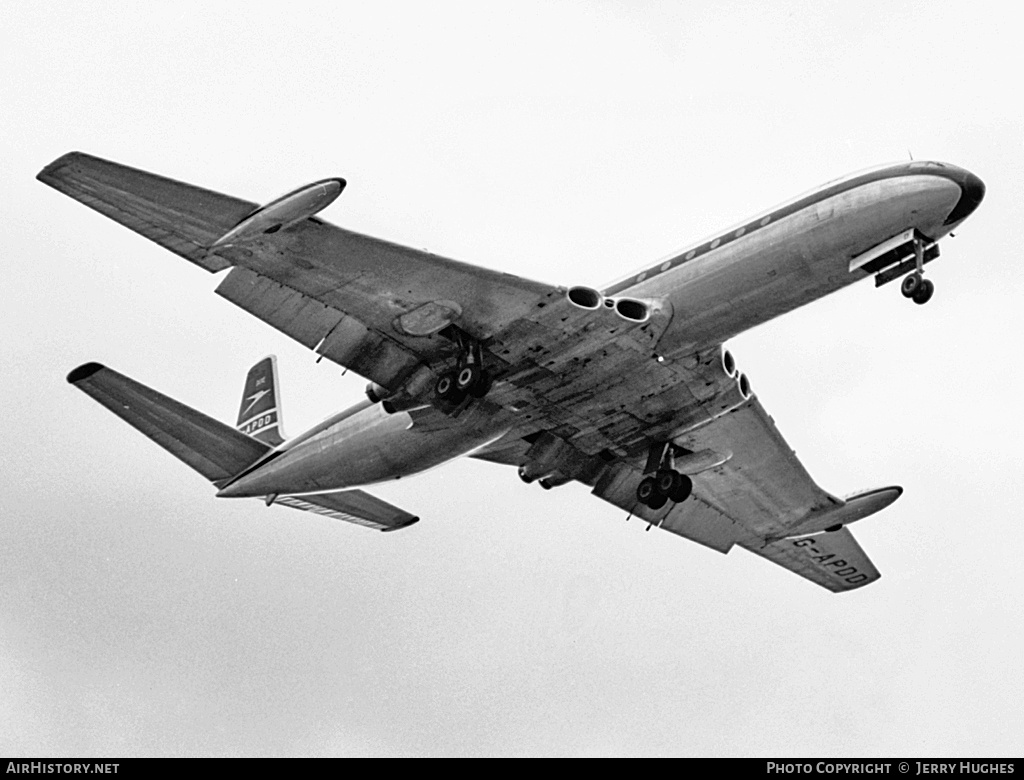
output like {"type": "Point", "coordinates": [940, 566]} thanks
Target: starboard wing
{"type": "Point", "coordinates": [755, 499]}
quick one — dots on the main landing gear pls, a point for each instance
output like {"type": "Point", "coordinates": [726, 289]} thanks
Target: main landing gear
{"type": "Point", "coordinates": [468, 380]}
{"type": "Point", "coordinates": [915, 286]}
{"type": "Point", "coordinates": [666, 484]}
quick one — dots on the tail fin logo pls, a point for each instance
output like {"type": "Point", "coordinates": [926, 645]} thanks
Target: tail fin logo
{"type": "Point", "coordinates": [255, 398]}
{"type": "Point", "coordinates": [259, 412]}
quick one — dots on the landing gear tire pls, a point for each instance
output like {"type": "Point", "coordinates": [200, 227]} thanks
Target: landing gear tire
{"type": "Point", "coordinates": [682, 492]}
{"type": "Point", "coordinates": [667, 485]}
{"type": "Point", "coordinates": [446, 385]}
{"type": "Point", "coordinates": [668, 481]}
{"type": "Point", "coordinates": [482, 386]}
{"type": "Point", "coordinates": [447, 390]}
{"type": "Point", "coordinates": [911, 284]}
{"type": "Point", "coordinates": [468, 377]}
{"type": "Point", "coordinates": [657, 501]}
{"type": "Point", "coordinates": [924, 292]}
{"type": "Point", "coordinates": [646, 490]}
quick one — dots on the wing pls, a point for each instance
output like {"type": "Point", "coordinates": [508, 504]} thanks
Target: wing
{"type": "Point", "coordinates": [832, 560]}
{"type": "Point", "coordinates": [353, 506]}
{"type": "Point", "coordinates": [367, 304]}
{"type": "Point", "coordinates": [757, 497]}
{"type": "Point", "coordinates": [179, 217]}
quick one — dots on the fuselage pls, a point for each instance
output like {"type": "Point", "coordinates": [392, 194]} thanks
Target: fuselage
{"type": "Point", "coordinates": [755, 271]}
{"type": "Point", "coordinates": [799, 251]}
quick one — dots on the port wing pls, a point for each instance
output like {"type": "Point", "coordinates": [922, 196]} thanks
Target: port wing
{"type": "Point", "coordinates": [372, 306]}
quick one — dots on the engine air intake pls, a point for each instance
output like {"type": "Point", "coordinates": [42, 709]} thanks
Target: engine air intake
{"type": "Point", "coordinates": [630, 309]}
{"type": "Point", "coordinates": [585, 297]}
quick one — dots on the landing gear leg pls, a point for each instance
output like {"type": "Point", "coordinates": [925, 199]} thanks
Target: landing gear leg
{"type": "Point", "coordinates": [915, 286]}
{"type": "Point", "coordinates": [468, 380]}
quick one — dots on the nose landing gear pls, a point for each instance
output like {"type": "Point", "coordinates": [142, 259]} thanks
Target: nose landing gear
{"type": "Point", "coordinates": [915, 286]}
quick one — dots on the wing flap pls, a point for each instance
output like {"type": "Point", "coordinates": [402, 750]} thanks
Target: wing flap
{"type": "Point", "coordinates": [377, 282]}
{"type": "Point", "coordinates": [335, 335]}
{"type": "Point", "coordinates": [180, 217]}
{"type": "Point", "coordinates": [353, 506]}
{"type": "Point", "coordinates": [215, 450]}
{"type": "Point", "coordinates": [693, 519]}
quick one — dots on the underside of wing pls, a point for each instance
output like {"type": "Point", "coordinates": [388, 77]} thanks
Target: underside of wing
{"type": "Point", "coordinates": [180, 217]}
{"type": "Point", "coordinates": [833, 560]}
{"type": "Point", "coordinates": [373, 306]}
{"type": "Point", "coordinates": [353, 506]}
{"type": "Point", "coordinates": [762, 484]}
{"type": "Point", "coordinates": [752, 491]}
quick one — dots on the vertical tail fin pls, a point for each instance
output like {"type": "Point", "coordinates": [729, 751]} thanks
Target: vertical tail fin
{"type": "Point", "coordinates": [259, 415]}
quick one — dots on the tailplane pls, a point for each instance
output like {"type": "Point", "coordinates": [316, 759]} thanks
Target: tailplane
{"type": "Point", "coordinates": [215, 450]}
{"type": "Point", "coordinates": [259, 414]}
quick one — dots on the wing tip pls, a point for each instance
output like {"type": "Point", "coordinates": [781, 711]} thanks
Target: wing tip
{"type": "Point", "coordinates": [848, 589]}
{"type": "Point", "coordinates": [48, 174]}
{"type": "Point", "coordinates": [406, 524]}
{"type": "Point", "coordinates": [84, 371]}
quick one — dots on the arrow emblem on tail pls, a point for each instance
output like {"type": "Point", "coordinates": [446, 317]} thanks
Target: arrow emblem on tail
{"type": "Point", "coordinates": [255, 399]}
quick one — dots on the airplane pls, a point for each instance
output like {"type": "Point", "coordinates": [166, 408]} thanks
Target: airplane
{"type": "Point", "coordinates": [626, 389]}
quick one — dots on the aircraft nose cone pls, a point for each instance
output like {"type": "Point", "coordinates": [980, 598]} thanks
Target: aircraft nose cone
{"type": "Point", "coordinates": [972, 192]}
{"type": "Point", "coordinates": [974, 188]}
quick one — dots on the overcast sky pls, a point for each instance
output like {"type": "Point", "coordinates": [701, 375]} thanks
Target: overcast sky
{"type": "Point", "coordinates": [566, 142]}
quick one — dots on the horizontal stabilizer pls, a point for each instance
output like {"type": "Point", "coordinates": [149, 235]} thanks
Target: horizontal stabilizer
{"type": "Point", "coordinates": [353, 506]}
{"type": "Point", "coordinates": [215, 450]}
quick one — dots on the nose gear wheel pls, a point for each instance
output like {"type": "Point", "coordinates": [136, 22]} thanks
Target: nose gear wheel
{"type": "Point", "coordinates": [914, 285]}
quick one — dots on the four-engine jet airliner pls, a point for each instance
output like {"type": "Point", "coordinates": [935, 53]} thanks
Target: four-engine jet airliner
{"type": "Point", "coordinates": [626, 389]}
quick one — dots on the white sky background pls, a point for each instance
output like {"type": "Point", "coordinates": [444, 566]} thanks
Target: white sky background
{"type": "Point", "coordinates": [565, 142]}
